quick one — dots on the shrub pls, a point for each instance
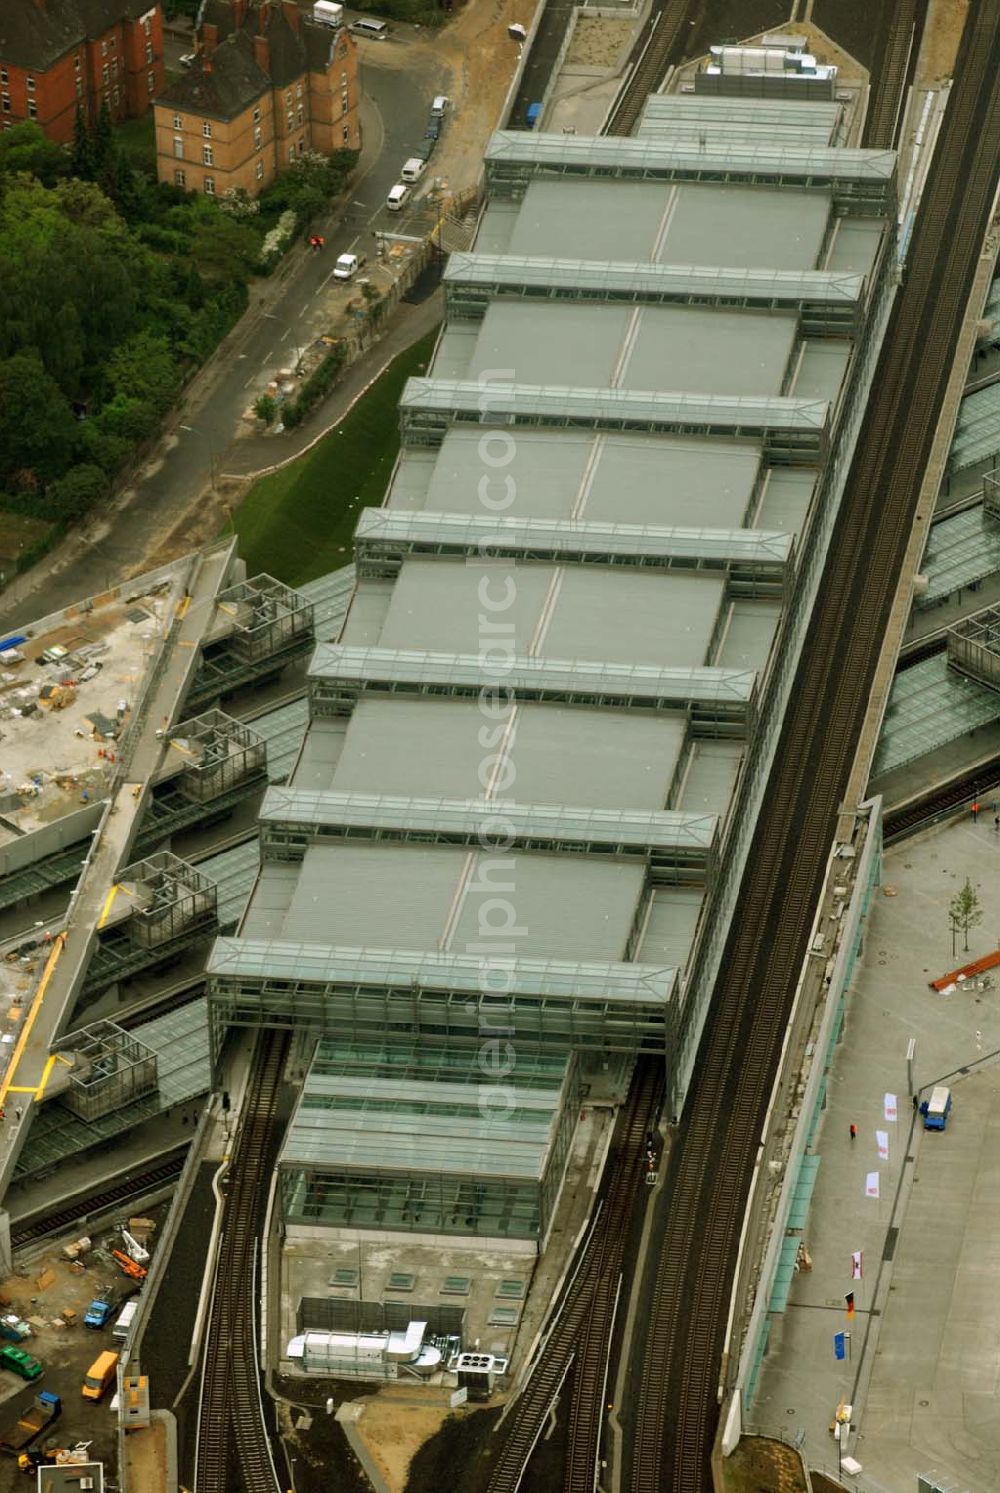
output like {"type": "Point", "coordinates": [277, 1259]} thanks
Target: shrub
{"type": "Point", "coordinates": [266, 408]}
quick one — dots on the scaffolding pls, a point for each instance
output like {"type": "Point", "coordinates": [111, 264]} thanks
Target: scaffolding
{"type": "Point", "coordinates": [171, 900]}
{"type": "Point", "coordinates": [260, 626]}
{"type": "Point", "coordinates": [974, 647]}
{"type": "Point", "coordinates": [111, 1068]}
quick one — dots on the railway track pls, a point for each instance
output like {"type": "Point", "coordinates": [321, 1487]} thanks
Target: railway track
{"type": "Point", "coordinates": [678, 1349]}
{"type": "Point", "coordinates": [126, 1190]}
{"type": "Point", "coordinates": [979, 783]}
{"type": "Point", "coordinates": [903, 22]}
{"type": "Point", "coordinates": [660, 39]}
{"type": "Point", "coordinates": [586, 1309]}
{"type": "Point", "coordinates": [233, 1449]}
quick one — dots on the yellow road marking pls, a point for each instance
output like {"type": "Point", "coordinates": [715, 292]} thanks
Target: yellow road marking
{"type": "Point", "coordinates": [46, 1071]}
{"type": "Point", "coordinates": [183, 606]}
{"type": "Point", "coordinates": [36, 1006]}
{"type": "Point", "coordinates": [106, 909]}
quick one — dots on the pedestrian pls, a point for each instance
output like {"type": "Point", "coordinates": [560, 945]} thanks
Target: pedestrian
{"type": "Point", "coordinates": [854, 1131]}
{"type": "Point", "coordinates": [975, 810]}
{"type": "Point", "coordinates": [17, 1111]}
{"type": "Point", "coordinates": [3, 1112]}
{"type": "Point", "coordinates": [996, 823]}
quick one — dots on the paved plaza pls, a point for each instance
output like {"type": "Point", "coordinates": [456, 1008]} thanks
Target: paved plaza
{"type": "Point", "coordinates": [923, 1370]}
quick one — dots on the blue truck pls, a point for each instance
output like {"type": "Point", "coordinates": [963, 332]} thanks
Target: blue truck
{"type": "Point", "coordinates": [937, 1108]}
{"type": "Point", "coordinates": [100, 1311]}
{"type": "Point", "coordinates": [533, 115]}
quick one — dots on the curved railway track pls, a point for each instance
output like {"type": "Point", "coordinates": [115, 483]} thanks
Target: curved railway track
{"type": "Point", "coordinates": [234, 1448]}
{"type": "Point", "coordinates": [678, 1351]}
{"type": "Point", "coordinates": [586, 1309]}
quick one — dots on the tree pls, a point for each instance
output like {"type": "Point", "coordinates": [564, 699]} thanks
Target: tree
{"type": "Point", "coordinates": [25, 150]}
{"type": "Point", "coordinates": [266, 408]}
{"type": "Point", "coordinates": [144, 368]}
{"type": "Point", "coordinates": [82, 153]}
{"type": "Point", "coordinates": [103, 141]}
{"type": "Point", "coordinates": [74, 494]}
{"type": "Point", "coordinates": [37, 430]}
{"type": "Point", "coordinates": [964, 913]}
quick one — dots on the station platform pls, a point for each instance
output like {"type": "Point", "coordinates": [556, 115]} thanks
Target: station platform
{"type": "Point", "coordinates": [922, 1369]}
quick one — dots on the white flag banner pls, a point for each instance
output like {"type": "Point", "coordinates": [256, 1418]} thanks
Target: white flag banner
{"type": "Point", "coordinates": [890, 1106]}
{"type": "Point", "coordinates": [871, 1185]}
{"type": "Point", "coordinates": [857, 1264]}
{"type": "Point", "coordinates": [882, 1141]}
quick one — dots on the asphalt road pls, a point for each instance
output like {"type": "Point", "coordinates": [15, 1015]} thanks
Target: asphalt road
{"type": "Point", "coordinates": [398, 108]}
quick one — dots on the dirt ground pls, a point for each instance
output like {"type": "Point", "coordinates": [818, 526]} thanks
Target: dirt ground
{"type": "Point", "coordinates": [761, 1466]}
{"type": "Point", "coordinates": [481, 60]}
{"type": "Point", "coordinates": [945, 21]}
{"type": "Point", "coordinates": [395, 1423]}
{"type": "Point", "coordinates": [146, 1452]}
{"type": "Point", "coordinates": [598, 41]}
{"type": "Point", "coordinates": [43, 1287]}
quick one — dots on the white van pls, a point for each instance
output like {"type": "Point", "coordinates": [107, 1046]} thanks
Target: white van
{"type": "Point", "coordinates": [374, 30]}
{"type": "Point", "coordinates": [397, 197]}
{"type": "Point", "coordinates": [328, 13]}
{"type": "Point", "coordinates": [413, 169]}
{"type": "Point", "coordinates": [123, 1325]}
{"type": "Point", "coordinates": [440, 105]}
{"type": "Point", "coordinates": [347, 266]}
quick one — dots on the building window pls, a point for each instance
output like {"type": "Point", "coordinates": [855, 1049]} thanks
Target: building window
{"type": "Point", "coordinates": [298, 90]}
{"type": "Point", "coordinates": [256, 116]}
{"type": "Point", "coordinates": [114, 67]}
{"type": "Point", "coordinates": [115, 97]}
{"type": "Point", "coordinates": [149, 51]}
{"type": "Point", "coordinates": [3, 76]}
{"type": "Point", "coordinates": [260, 170]}
{"type": "Point", "coordinates": [178, 122]}
{"type": "Point", "coordinates": [300, 116]}
{"type": "Point", "coordinates": [207, 158]}
{"type": "Point", "coordinates": [32, 109]}
{"type": "Point", "coordinates": [150, 83]}
{"type": "Point", "coordinates": [291, 152]}
{"type": "Point", "coordinates": [30, 85]}
{"type": "Point", "coordinates": [5, 102]}
{"type": "Point", "coordinates": [343, 80]}
{"type": "Point", "coordinates": [302, 144]}
{"type": "Point", "coordinates": [209, 186]}
{"type": "Point", "coordinates": [257, 144]}
{"type": "Point", "coordinates": [147, 25]}
{"type": "Point", "coordinates": [107, 100]}
{"type": "Point", "coordinates": [343, 50]}
{"type": "Point", "coordinates": [180, 179]}
{"type": "Point", "coordinates": [288, 98]}
{"type": "Point", "coordinates": [79, 88]}
{"type": "Point", "coordinates": [206, 129]}
{"type": "Point", "coordinates": [347, 135]}
{"type": "Point", "coordinates": [178, 147]}
{"type": "Point", "coordinates": [76, 63]}
{"type": "Point", "coordinates": [104, 49]}
{"type": "Point", "coordinates": [104, 73]}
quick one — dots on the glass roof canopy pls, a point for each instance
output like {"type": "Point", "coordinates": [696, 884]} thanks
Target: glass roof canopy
{"type": "Point", "coordinates": [489, 821]}
{"type": "Point", "coordinates": [514, 156]}
{"type": "Point", "coordinates": [931, 705]}
{"type": "Point", "coordinates": [579, 680]}
{"type": "Point", "coordinates": [382, 532]}
{"type": "Point", "coordinates": [412, 971]}
{"type": "Point", "coordinates": [437, 403]}
{"type": "Point", "coordinates": [961, 550]}
{"type": "Point", "coordinates": [496, 273]}
{"type": "Point", "coordinates": [977, 435]}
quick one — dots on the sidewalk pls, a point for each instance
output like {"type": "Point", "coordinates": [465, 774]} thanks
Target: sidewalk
{"type": "Point", "coordinates": [923, 1373]}
{"type": "Point", "coordinates": [256, 455]}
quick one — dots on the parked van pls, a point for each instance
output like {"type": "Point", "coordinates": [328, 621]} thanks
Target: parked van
{"type": "Point", "coordinates": [374, 30]}
{"type": "Point", "coordinates": [327, 13]}
{"type": "Point", "coordinates": [347, 266]}
{"type": "Point", "coordinates": [413, 169]}
{"type": "Point", "coordinates": [123, 1326]}
{"type": "Point", "coordinates": [99, 1376]}
{"type": "Point", "coordinates": [397, 197]}
{"type": "Point", "coordinates": [440, 105]}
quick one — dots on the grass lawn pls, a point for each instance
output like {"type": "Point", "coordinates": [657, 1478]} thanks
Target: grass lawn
{"type": "Point", "coordinates": [297, 523]}
{"type": "Point", "coordinates": [17, 533]}
{"type": "Point", "coordinates": [137, 138]}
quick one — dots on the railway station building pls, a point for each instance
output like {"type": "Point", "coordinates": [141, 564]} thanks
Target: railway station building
{"type": "Point", "coordinates": [522, 807]}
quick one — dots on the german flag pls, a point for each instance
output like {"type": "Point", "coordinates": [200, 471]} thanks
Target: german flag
{"type": "Point", "coordinates": [849, 1298]}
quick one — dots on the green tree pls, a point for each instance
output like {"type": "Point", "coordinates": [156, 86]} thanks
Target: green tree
{"type": "Point", "coordinates": [25, 149]}
{"type": "Point", "coordinates": [964, 912]}
{"type": "Point", "coordinates": [82, 153]}
{"type": "Point", "coordinates": [266, 408]}
{"type": "Point", "coordinates": [103, 140]}
{"type": "Point", "coordinates": [82, 487]}
{"type": "Point", "coordinates": [144, 368]}
{"type": "Point", "coordinates": [37, 430]}
{"type": "Point", "coordinates": [223, 250]}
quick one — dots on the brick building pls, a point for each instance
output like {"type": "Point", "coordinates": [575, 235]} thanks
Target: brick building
{"type": "Point", "coordinates": [57, 54]}
{"type": "Point", "coordinates": [267, 85]}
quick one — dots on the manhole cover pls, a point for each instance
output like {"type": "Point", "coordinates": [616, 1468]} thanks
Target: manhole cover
{"type": "Point", "coordinates": [789, 1412]}
{"type": "Point", "coordinates": [924, 1403]}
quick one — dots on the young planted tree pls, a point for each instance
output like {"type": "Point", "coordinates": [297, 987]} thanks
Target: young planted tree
{"type": "Point", "coordinates": [964, 912]}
